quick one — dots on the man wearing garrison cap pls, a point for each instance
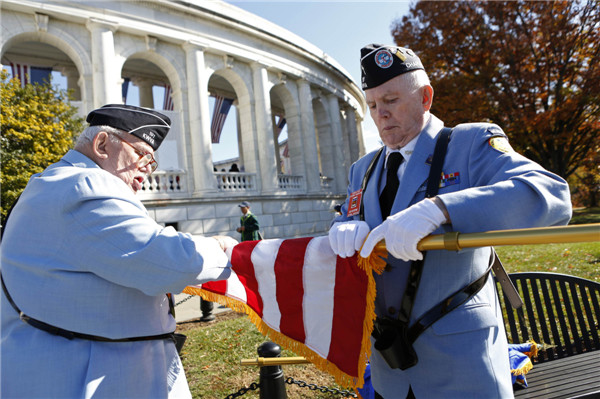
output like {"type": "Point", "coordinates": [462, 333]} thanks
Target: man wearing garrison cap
{"type": "Point", "coordinates": [439, 331]}
{"type": "Point", "coordinates": [85, 271]}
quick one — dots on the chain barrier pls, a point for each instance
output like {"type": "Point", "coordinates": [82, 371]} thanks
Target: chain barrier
{"type": "Point", "coordinates": [184, 300]}
{"type": "Point", "coordinates": [314, 387]}
{"type": "Point", "coordinates": [302, 384]}
{"type": "Point", "coordinates": [254, 386]}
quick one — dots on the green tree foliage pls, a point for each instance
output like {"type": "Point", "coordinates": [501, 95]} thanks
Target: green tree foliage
{"type": "Point", "coordinates": [533, 67]}
{"type": "Point", "coordinates": [38, 126]}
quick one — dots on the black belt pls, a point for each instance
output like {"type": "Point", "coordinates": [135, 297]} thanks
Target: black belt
{"type": "Point", "coordinates": [446, 306]}
{"type": "Point", "coordinates": [72, 334]}
{"type": "Point", "coordinates": [441, 309]}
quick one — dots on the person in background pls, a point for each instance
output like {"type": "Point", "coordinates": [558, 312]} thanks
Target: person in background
{"type": "Point", "coordinates": [439, 331]}
{"type": "Point", "coordinates": [248, 223]}
{"type": "Point", "coordinates": [85, 271]}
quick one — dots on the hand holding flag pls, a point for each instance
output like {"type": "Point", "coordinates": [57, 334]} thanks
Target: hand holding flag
{"type": "Point", "coordinates": [346, 238]}
{"type": "Point", "coordinates": [403, 230]}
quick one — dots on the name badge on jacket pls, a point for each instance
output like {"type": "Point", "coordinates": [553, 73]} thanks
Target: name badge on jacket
{"type": "Point", "coordinates": [354, 203]}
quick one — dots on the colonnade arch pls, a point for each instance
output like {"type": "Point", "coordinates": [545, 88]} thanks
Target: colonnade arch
{"type": "Point", "coordinates": [97, 47]}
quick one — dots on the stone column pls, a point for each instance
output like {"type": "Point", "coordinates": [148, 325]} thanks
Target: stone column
{"type": "Point", "coordinates": [264, 129]}
{"type": "Point", "coordinates": [238, 125]}
{"type": "Point", "coordinates": [199, 120]}
{"type": "Point", "coordinates": [341, 178]}
{"type": "Point", "coordinates": [309, 142]}
{"type": "Point", "coordinates": [106, 78]}
{"type": "Point", "coordinates": [351, 124]}
{"type": "Point", "coordinates": [145, 89]}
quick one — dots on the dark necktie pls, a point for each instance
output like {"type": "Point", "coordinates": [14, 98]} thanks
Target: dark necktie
{"type": "Point", "coordinates": [386, 199]}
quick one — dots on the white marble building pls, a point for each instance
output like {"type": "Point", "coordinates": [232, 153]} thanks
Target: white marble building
{"type": "Point", "coordinates": [203, 48]}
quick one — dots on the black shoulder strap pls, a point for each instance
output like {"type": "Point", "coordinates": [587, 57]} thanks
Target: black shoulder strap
{"type": "Point", "coordinates": [439, 155]}
{"type": "Point", "coordinates": [433, 184]}
{"type": "Point", "coordinates": [365, 180]}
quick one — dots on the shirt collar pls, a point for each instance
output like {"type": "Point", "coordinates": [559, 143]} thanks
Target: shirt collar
{"type": "Point", "coordinates": [406, 151]}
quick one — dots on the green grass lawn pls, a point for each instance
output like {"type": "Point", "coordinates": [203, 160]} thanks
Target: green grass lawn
{"type": "Point", "coordinates": [213, 351]}
{"type": "Point", "coordinates": [577, 259]}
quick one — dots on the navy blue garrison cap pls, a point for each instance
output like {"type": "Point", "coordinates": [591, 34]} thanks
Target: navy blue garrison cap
{"type": "Point", "coordinates": [144, 123]}
{"type": "Point", "coordinates": [380, 63]}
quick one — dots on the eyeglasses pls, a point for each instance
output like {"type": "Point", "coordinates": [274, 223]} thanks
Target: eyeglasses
{"type": "Point", "coordinates": [144, 159]}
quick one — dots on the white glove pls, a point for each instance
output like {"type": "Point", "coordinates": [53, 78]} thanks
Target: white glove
{"type": "Point", "coordinates": [404, 230]}
{"type": "Point", "coordinates": [227, 243]}
{"type": "Point", "coordinates": [346, 238]}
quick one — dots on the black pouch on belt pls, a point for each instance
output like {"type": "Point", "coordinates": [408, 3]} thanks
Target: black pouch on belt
{"type": "Point", "coordinates": [393, 343]}
{"type": "Point", "coordinates": [179, 341]}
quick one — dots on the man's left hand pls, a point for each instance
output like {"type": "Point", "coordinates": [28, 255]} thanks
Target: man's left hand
{"type": "Point", "coordinates": [227, 243]}
{"type": "Point", "coordinates": [403, 231]}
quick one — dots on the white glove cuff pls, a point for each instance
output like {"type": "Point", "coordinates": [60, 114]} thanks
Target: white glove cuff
{"type": "Point", "coordinates": [432, 212]}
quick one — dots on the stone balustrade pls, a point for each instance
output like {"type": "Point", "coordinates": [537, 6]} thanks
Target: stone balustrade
{"type": "Point", "coordinates": [326, 183]}
{"type": "Point", "coordinates": [235, 181]}
{"type": "Point", "coordinates": [290, 182]}
{"type": "Point", "coordinates": [164, 182]}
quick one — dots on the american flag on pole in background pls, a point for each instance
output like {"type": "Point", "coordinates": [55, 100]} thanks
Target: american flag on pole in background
{"type": "Point", "coordinates": [286, 150]}
{"type": "Point", "coordinates": [305, 298]}
{"type": "Point", "coordinates": [168, 101]}
{"type": "Point", "coordinates": [125, 89]}
{"type": "Point", "coordinates": [220, 111]}
{"type": "Point", "coordinates": [21, 72]}
{"type": "Point", "coordinates": [280, 124]}
{"type": "Point", "coordinates": [28, 74]}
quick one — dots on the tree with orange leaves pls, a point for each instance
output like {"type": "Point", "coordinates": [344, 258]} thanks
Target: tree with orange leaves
{"type": "Point", "coordinates": [531, 67]}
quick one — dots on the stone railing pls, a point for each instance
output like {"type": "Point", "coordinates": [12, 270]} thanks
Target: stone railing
{"type": "Point", "coordinates": [290, 182]}
{"type": "Point", "coordinates": [326, 182]}
{"type": "Point", "coordinates": [164, 182]}
{"type": "Point", "coordinates": [235, 181]}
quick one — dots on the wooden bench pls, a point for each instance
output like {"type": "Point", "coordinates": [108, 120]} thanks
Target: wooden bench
{"type": "Point", "coordinates": [562, 313]}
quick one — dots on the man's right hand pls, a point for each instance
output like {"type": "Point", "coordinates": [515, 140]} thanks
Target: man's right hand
{"type": "Point", "coordinates": [346, 238]}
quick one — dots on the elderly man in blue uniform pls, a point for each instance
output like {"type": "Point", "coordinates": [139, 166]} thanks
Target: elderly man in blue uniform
{"type": "Point", "coordinates": [85, 271]}
{"type": "Point", "coordinates": [439, 330]}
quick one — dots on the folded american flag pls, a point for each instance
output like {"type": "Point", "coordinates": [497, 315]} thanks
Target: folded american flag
{"type": "Point", "coordinates": [305, 298]}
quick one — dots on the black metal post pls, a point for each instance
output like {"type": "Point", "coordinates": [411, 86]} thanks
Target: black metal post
{"type": "Point", "coordinates": [206, 308]}
{"type": "Point", "coordinates": [272, 381]}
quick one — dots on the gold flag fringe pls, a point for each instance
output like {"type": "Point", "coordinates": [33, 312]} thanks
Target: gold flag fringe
{"type": "Point", "coordinates": [534, 349]}
{"type": "Point", "coordinates": [523, 369]}
{"type": "Point", "coordinates": [376, 261]}
{"type": "Point", "coordinates": [373, 263]}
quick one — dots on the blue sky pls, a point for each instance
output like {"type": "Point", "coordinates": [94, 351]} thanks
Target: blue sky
{"type": "Point", "coordinates": [339, 28]}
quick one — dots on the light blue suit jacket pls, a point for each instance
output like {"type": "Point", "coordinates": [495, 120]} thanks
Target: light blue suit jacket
{"type": "Point", "coordinates": [465, 353]}
{"type": "Point", "coordinates": [80, 252]}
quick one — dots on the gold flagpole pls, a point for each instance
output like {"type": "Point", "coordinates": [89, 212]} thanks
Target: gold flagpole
{"type": "Point", "coordinates": [454, 241]}
{"type": "Point", "coordinates": [273, 361]}
{"type": "Point", "coordinates": [542, 235]}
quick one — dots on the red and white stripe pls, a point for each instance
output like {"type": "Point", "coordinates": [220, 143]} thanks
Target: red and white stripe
{"type": "Point", "coordinates": [301, 289]}
{"type": "Point", "coordinates": [168, 101]}
{"type": "Point", "coordinates": [21, 71]}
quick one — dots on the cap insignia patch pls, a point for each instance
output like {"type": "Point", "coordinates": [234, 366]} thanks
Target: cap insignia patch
{"type": "Point", "coordinates": [384, 59]}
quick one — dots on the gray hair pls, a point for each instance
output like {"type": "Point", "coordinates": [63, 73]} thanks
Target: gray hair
{"type": "Point", "coordinates": [416, 79]}
{"type": "Point", "coordinates": [87, 136]}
